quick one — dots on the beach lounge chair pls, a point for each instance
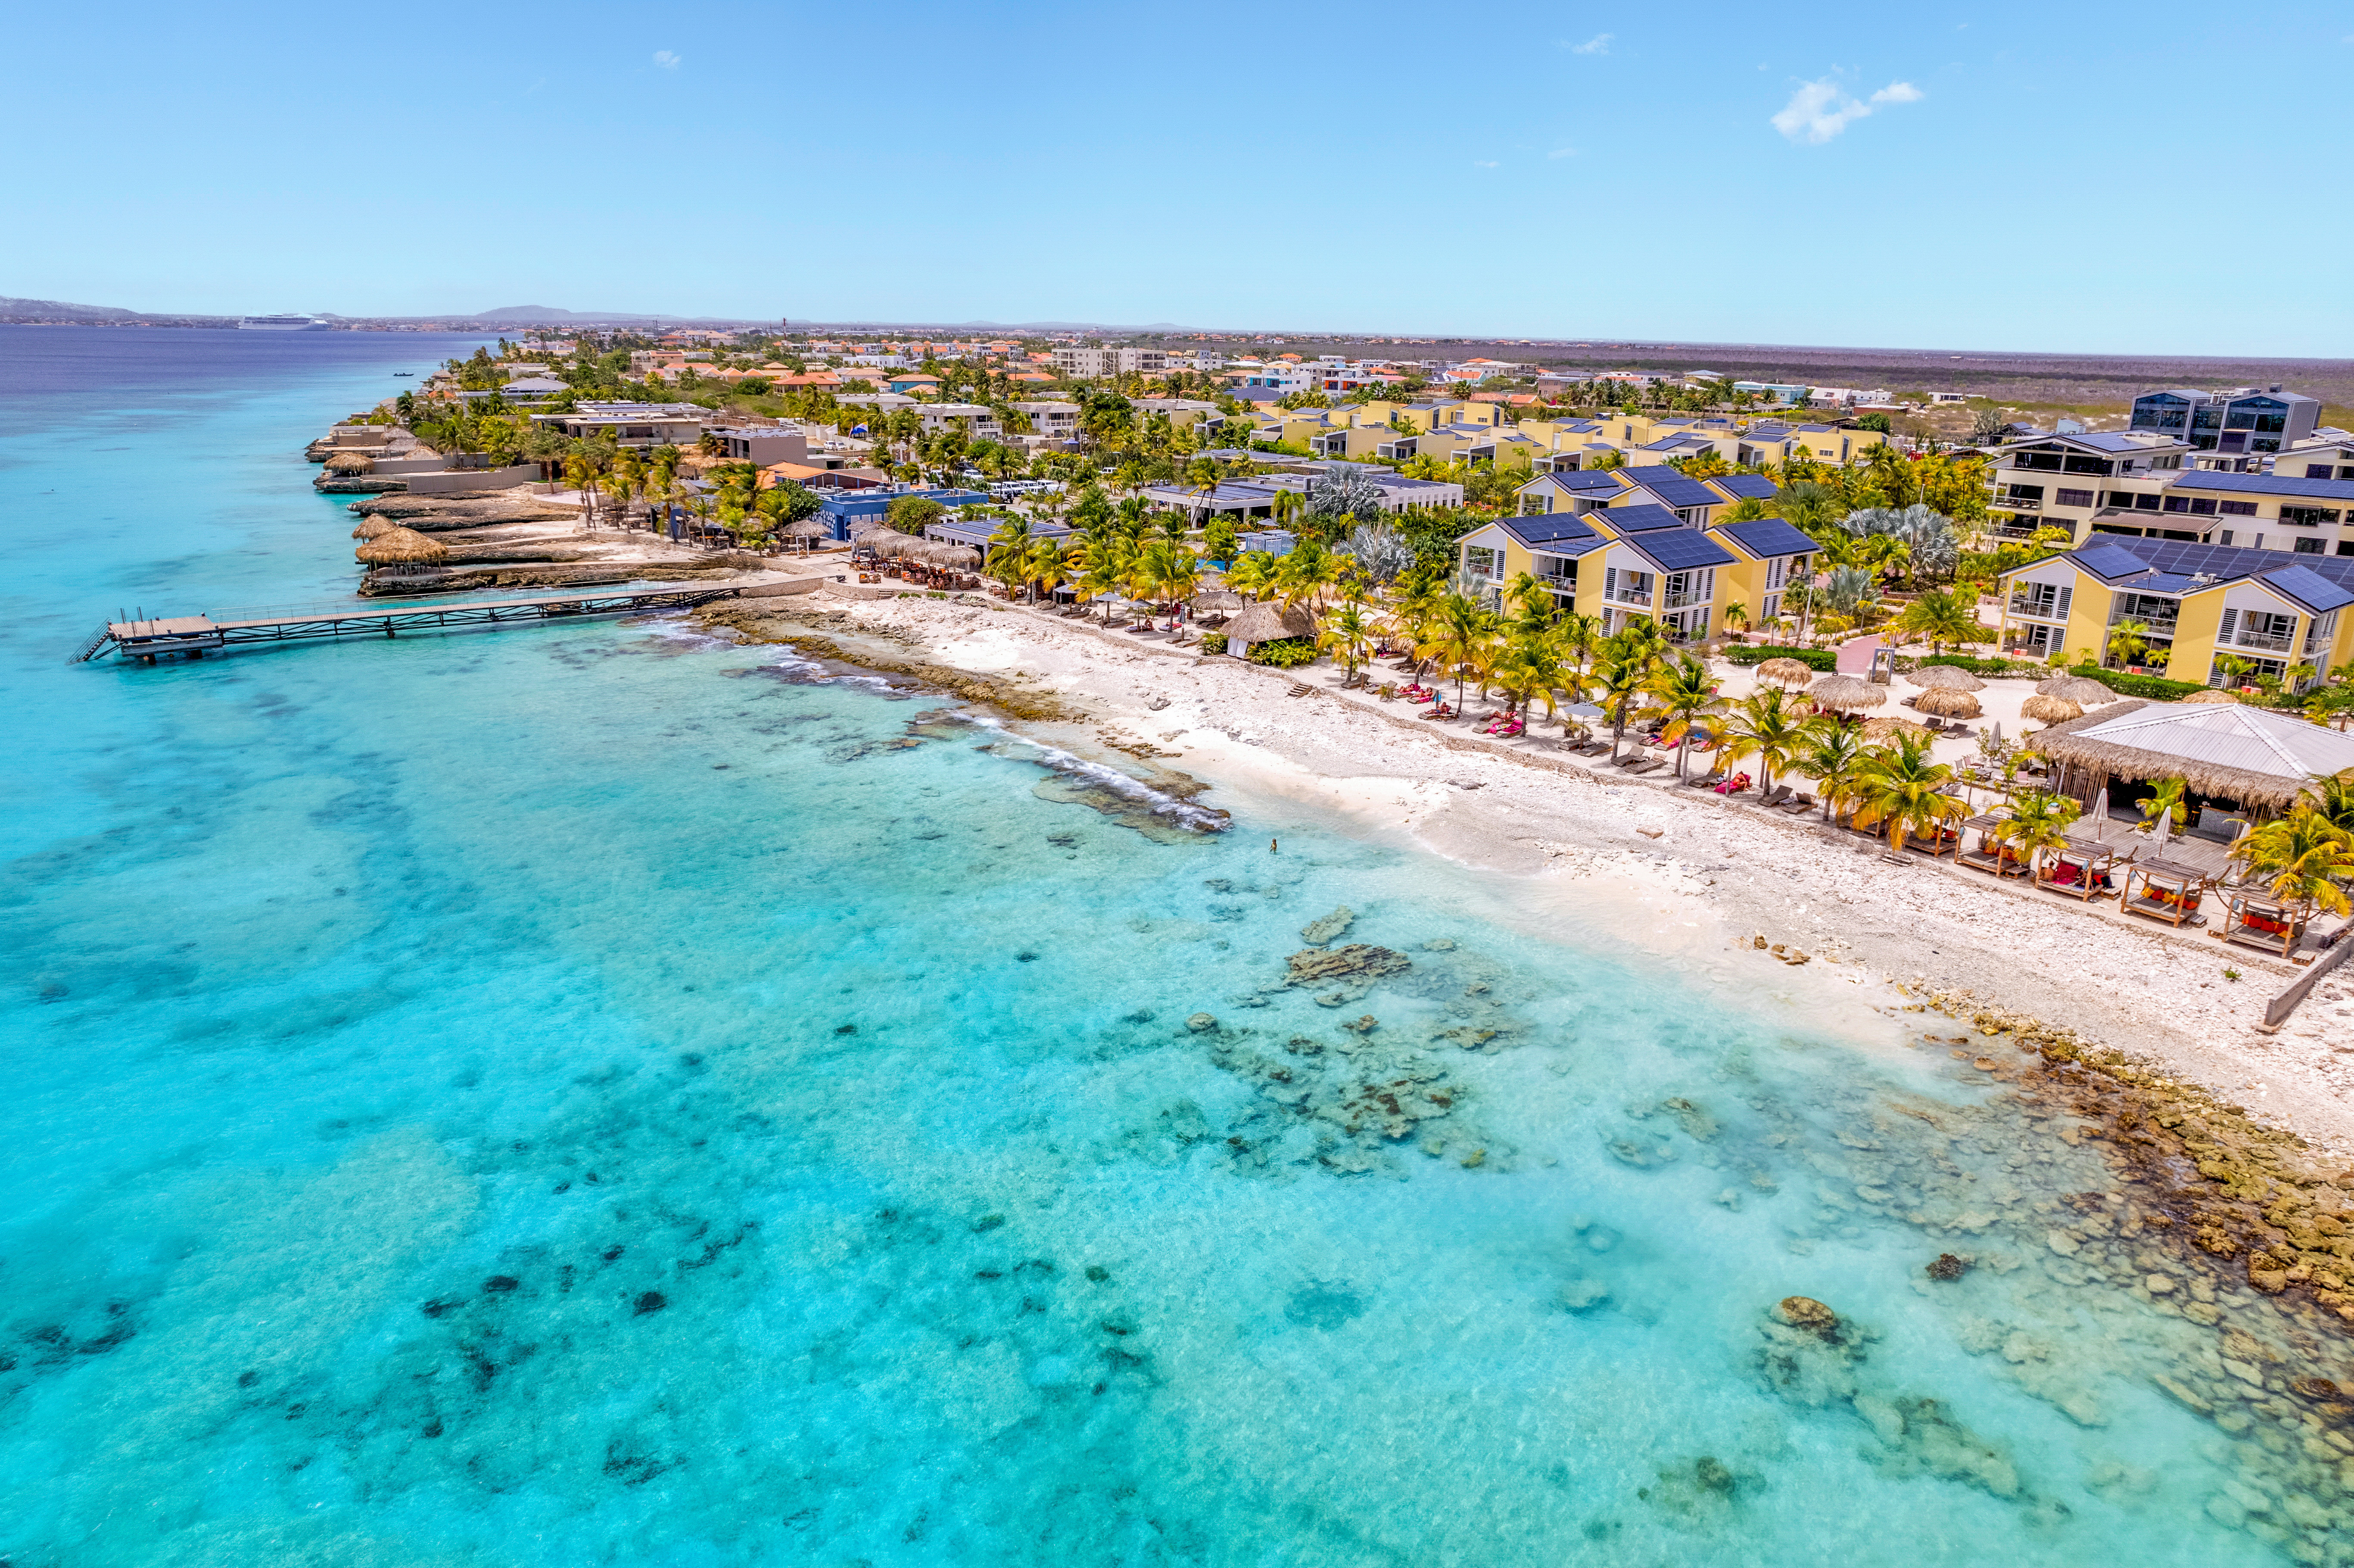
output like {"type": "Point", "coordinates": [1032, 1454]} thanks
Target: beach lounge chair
{"type": "Point", "coordinates": [2162, 890]}
{"type": "Point", "coordinates": [1798, 802]}
{"type": "Point", "coordinates": [1780, 793]}
{"type": "Point", "coordinates": [2263, 924]}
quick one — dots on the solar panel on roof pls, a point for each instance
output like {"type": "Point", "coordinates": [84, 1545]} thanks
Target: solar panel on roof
{"type": "Point", "coordinates": [1546, 528]}
{"type": "Point", "coordinates": [1681, 549]}
{"type": "Point", "coordinates": [1768, 537]}
{"type": "Point", "coordinates": [1637, 519]}
{"type": "Point", "coordinates": [2112, 560]}
{"type": "Point", "coordinates": [2310, 588]}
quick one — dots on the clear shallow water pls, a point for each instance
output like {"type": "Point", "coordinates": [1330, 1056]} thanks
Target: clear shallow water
{"type": "Point", "coordinates": [590, 1095]}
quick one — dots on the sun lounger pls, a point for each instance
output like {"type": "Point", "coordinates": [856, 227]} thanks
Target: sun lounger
{"type": "Point", "coordinates": [1802, 802]}
{"type": "Point", "coordinates": [1780, 793]}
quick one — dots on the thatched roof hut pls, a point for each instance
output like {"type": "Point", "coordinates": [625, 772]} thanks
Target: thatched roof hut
{"type": "Point", "coordinates": [2050, 709]}
{"type": "Point", "coordinates": [2212, 694]}
{"type": "Point", "coordinates": [2225, 749]}
{"type": "Point", "coordinates": [958, 555]}
{"type": "Point", "coordinates": [374, 527]}
{"type": "Point", "coordinates": [2080, 689]}
{"type": "Point", "coordinates": [351, 462]}
{"type": "Point", "coordinates": [1879, 729]}
{"type": "Point", "coordinates": [1846, 693]}
{"type": "Point", "coordinates": [1943, 701]}
{"type": "Point", "coordinates": [805, 528]}
{"type": "Point", "coordinates": [1788, 674]}
{"type": "Point", "coordinates": [402, 548]}
{"type": "Point", "coordinates": [1946, 678]}
{"type": "Point", "coordinates": [1265, 622]}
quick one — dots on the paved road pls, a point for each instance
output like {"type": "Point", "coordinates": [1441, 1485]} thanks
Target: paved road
{"type": "Point", "coordinates": [1855, 658]}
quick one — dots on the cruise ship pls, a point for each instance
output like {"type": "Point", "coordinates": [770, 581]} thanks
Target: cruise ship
{"type": "Point", "coordinates": [283, 324]}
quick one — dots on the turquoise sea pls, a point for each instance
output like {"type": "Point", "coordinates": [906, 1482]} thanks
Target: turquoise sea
{"type": "Point", "coordinates": [590, 1094]}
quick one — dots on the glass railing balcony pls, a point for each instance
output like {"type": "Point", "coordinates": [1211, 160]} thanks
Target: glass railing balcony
{"type": "Point", "coordinates": [1689, 596]}
{"type": "Point", "coordinates": [1621, 595]}
{"type": "Point", "coordinates": [2263, 639]}
{"type": "Point", "coordinates": [2020, 503]}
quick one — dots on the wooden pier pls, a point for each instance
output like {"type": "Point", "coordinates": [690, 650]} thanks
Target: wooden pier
{"type": "Point", "coordinates": [194, 636]}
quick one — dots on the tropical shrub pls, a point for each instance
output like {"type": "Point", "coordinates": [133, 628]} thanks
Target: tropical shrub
{"type": "Point", "coordinates": [1822, 660]}
{"type": "Point", "coordinates": [1284, 653]}
{"type": "Point", "coordinates": [1213, 642]}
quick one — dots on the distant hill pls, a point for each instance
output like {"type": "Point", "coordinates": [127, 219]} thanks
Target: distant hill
{"type": "Point", "coordinates": [61, 311]}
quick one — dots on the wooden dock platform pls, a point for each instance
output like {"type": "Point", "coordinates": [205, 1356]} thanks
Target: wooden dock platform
{"type": "Point", "coordinates": [194, 636]}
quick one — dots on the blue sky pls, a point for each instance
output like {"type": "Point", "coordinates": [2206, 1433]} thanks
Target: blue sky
{"type": "Point", "coordinates": [2089, 177]}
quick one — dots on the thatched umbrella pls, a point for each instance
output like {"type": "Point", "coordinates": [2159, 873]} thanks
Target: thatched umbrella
{"type": "Point", "coordinates": [1946, 678]}
{"type": "Point", "coordinates": [2212, 694]}
{"type": "Point", "coordinates": [2052, 709]}
{"type": "Point", "coordinates": [1265, 622]}
{"type": "Point", "coordinates": [805, 528]}
{"type": "Point", "coordinates": [1880, 730]}
{"type": "Point", "coordinates": [374, 527]}
{"type": "Point", "coordinates": [1788, 674]}
{"type": "Point", "coordinates": [351, 462]}
{"type": "Point", "coordinates": [1944, 703]}
{"type": "Point", "coordinates": [1846, 693]}
{"type": "Point", "coordinates": [402, 548]}
{"type": "Point", "coordinates": [2081, 690]}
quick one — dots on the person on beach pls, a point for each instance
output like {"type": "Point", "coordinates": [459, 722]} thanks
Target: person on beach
{"type": "Point", "coordinates": [1272, 848]}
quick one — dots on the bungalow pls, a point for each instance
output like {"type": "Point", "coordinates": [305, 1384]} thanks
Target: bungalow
{"type": "Point", "coordinates": [1769, 556]}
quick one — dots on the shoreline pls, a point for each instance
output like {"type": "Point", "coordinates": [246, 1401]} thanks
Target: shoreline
{"type": "Point", "coordinates": [2246, 1188]}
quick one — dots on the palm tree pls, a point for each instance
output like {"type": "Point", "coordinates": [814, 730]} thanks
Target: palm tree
{"type": "Point", "coordinates": [1253, 574]}
{"type": "Point", "coordinates": [2039, 822]}
{"type": "Point", "coordinates": [1047, 567]}
{"type": "Point", "coordinates": [1131, 512]}
{"type": "Point", "coordinates": [1767, 726]}
{"type": "Point", "coordinates": [1943, 619]}
{"type": "Point", "coordinates": [1531, 669]}
{"type": "Point", "coordinates": [2306, 859]}
{"type": "Point", "coordinates": [1901, 786]}
{"type": "Point", "coordinates": [1348, 630]}
{"type": "Point", "coordinates": [1830, 752]}
{"type": "Point", "coordinates": [2334, 799]}
{"type": "Point", "coordinates": [1579, 633]}
{"type": "Point", "coordinates": [1173, 570]}
{"type": "Point", "coordinates": [2128, 641]}
{"type": "Point", "coordinates": [2165, 798]}
{"type": "Point", "coordinates": [1306, 572]}
{"type": "Point", "coordinates": [1464, 628]}
{"type": "Point", "coordinates": [1619, 671]}
{"type": "Point", "coordinates": [1683, 694]}
{"type": "Point", "coordinates": [1109, 560]}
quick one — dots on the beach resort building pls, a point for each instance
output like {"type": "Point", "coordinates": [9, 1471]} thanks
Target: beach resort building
{"type": "Point", "coordinates": [641, 426]}
{"type": "Point", "coordinates": [2214, 614]}
{"type": "Point", "coordinates": [2142, 485]}
{"type": "Point", "coordinates": [1640, 560]}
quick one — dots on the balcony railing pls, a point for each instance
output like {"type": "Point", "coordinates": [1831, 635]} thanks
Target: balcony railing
{"type": "Point", "coordinates": [2036, 609]}
{"type": "Point", "coordinates": [2152, 625]}
{"type": "Point", "coordinates": [2020, 503]}
{"type": "Point", "coordinates": [1689, 596]}
{"type": "Point", "coordinates": [2266, 640]}
{"type": "Point", "coordinates": [1634, 600]}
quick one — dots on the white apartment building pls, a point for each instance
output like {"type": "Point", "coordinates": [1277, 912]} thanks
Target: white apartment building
{"type": "Point", "coordinates": [1090, 364]}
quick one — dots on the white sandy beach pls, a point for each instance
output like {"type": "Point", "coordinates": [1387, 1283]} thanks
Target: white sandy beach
{"type": "Point", "coordinates": [1670, 870]}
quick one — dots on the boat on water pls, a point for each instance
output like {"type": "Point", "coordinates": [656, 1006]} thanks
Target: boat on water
{"type": "Point", "coordinates": [404, 372]}
{"type": "Point", "coordinates": [282, 324]}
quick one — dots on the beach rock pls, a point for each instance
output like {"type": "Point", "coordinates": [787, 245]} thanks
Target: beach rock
{"type": "Point", "coordinates": [1320, 932]}
{"type": "Point", "coordinates": [1806, 1312]}
{"type": "Point", "coordinates": [1948, 1267]}
{"type": "Point", "coordinates": [1202, 1022]}
{"type": "Point", "coordinates": [1439, 944]}
{"type": "Point", "coordinates": [1357, 963]}
{"type": "Point", "coordinates": [1583, 1295]}
{"type": "Point", "coordinates": [1364, 1025]}
{"type": "Point", "coordinates": [2313, 1388]}
{"type": "Point", "coordinates": [2158, 1284]}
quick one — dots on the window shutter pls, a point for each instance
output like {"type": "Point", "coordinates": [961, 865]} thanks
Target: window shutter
{"type": "Point", "coordinates": [2066, 593]}
{"type": "Point", "coordinates": [2231, 620]}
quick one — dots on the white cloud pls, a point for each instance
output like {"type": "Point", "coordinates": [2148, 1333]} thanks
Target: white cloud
{"type": "Point", "coordinates": [1563, 152]}
{"type": "Point", "coordinates": [665, 59]}
{"type": "Point", "coordinates": [1485, 164]}
{"type": "Point", "coordinates": [1597, 45]}
{"type": "Point", "coordinates": [1819, 110]}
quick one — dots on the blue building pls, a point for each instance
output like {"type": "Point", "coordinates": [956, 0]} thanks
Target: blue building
{"type": "Point", "coordinates": [839, 510]}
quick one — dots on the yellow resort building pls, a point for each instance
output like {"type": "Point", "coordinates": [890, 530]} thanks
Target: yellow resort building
{"type": "Point", "coordinates": [1640, 560]}
{"type": "Point", "coordinates": [2277, 613]}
